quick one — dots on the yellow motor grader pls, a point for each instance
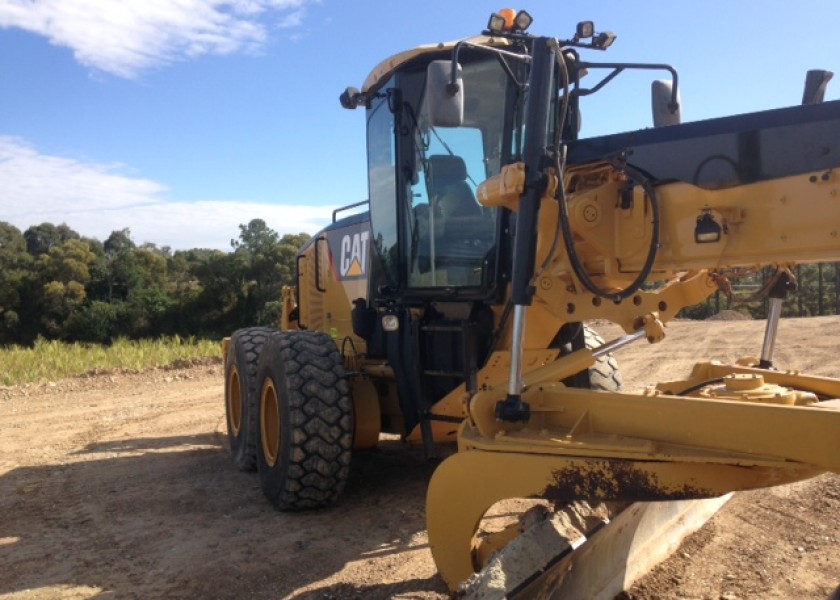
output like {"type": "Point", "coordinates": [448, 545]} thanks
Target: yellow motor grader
{"type": "Point", "coordinates": [452, 306]}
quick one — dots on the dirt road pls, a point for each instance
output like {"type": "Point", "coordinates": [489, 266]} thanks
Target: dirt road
{"type": "Point", "coordinates": [119, 486]}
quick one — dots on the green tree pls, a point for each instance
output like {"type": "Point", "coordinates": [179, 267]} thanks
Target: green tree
{"type": "Point", "coordinates": [15, 266]}
{"type": "Point", "coordinates": [256, 238]}
{"type": "Point", "coordinates": [269, 263]}
{"type": "Point", "coordinates": [71, 261]}
{"type": "Point", "coordinates": [95, 322]}
{"type": "Point", "coordinates": [290, 244]}
{"type": "Point", "coordinates": [41, 238]}
{"type": "Point", "coordinates": [61, 275]}
{"type": "Point", "coordinates": [57, 284]}
{"type": "Point", "coordinates": [58, 302]}
{"type": "Point", "coordinates": [123, 273]}
{"type": "Point", "coordinates": [152, 266]}
{"type": "Point", "coordinates": [224, 288]}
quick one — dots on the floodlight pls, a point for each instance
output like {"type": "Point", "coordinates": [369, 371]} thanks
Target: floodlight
{"type": "Point", "coordinates": [523, 20]}
{"type": "Point", "coordinates": [584, 30]}
{"type": "Point", "coordinates": [496, 25]}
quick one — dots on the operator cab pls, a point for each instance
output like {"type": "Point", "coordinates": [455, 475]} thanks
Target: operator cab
{"type": "Point", "coordinates": [439, 259]}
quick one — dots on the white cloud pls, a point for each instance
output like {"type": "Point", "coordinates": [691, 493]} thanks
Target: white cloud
{"type": "Point", "coordinates": [96, 199]}
{"type": "Point", "coordinates": [125, 37]}
{"type": "Point", "coordinates": [293, 19]}
{"type": "Point", "coordinates": [206, 224]}
{"type": "Point", "coordinates": [36, 182]}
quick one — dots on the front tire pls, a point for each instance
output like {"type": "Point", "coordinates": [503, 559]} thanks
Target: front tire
{"type": "Point", "coordinates": [305, 421]}
{"type": "Point", "coordinates": [604, 374]}
{"type": "Point", "coordinates": [242, 395]}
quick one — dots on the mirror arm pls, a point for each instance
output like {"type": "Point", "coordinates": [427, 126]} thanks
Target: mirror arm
{"type": "Point", "coordinates": [601, 84]}
{"type": "Point", "coordinates": [452, 86]}
{"type": "Point", "coordinates": [619, 67]}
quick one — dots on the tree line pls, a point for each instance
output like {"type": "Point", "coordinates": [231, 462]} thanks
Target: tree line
{"type": "Point", "coordinates": [57, 284]}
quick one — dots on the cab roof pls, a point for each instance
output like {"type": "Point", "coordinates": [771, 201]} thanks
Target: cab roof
{"type": "Point", "coordinates": [383, 70]}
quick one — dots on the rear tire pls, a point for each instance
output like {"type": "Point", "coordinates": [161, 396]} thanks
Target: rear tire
{"type": "Point", "coordinates": [242, 394]}
{"type": "Point", "coordinates": [305, 421]}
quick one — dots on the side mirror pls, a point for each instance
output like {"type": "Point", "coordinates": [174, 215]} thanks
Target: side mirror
{"type": "Point", "coordinates": [444, 94]}
{"type": "Point", "coordinates": [665, 110]}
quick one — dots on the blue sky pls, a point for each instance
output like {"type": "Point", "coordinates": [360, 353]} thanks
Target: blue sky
{"type": "Point", "coordinates": [181, 119]}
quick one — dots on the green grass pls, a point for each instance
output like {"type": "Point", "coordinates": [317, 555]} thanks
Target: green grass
{"type": "Point", "coordinates": [51, 360]}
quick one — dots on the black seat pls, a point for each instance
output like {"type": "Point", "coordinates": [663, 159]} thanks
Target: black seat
{"type": "Point", "coordinates": [449, 192]}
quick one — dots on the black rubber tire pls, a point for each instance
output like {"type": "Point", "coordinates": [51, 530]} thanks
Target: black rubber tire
{"type": "Point", "coordinates": [604, 374]}
{"type": "Point", "coordinates": [305, 421]}
{"type": "Point", "coordinates": [242, 394]}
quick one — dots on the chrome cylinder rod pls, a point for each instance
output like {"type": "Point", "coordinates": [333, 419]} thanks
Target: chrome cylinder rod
{"type": "Point", "coordinates": [618, 343]}
{"type": "Point", "coordinates": [515, 375]}
{"type": "Point", "coordinates": [773, 316]}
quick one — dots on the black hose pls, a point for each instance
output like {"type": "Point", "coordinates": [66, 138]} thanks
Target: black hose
{"type": "Point", "coordinates": [574, 259]}
{"type": "Point", "coordinates": [568, 242]}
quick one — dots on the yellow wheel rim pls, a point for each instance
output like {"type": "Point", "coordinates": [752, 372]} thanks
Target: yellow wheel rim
{"type": "Point", "coordinates": [270, 422]}
{"type": "Point", "coordinates": [234, 403]}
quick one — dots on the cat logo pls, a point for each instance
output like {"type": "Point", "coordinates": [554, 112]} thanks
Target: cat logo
{"type": "Point", "coordinates": [354, 249]}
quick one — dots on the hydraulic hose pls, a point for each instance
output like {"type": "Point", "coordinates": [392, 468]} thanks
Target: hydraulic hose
{"type": "Point", "coordinates": [565, 227]}
{"type": "Point", "coordinates": [574, 259]}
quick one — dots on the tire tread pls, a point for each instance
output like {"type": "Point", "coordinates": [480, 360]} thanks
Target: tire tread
{"type": "Point", "coordinates": [320, 422]}
{"type": "Point", "coordinates": [245, 347]}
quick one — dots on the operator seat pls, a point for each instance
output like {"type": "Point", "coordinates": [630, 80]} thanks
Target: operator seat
{"type": "Point", "coordinates": [463, 233]}
{"type": "Point", "coordinates": [450, 194]}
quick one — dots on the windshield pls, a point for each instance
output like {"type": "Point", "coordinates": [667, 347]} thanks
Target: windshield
{"type": "Point", "coordinates": [452, 238]}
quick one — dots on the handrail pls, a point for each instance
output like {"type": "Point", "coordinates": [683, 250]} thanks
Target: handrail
{"type": "Point", "coordinates": [348, 207]}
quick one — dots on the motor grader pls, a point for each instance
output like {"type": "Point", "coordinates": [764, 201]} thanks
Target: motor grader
{"type": "Point", "coordinates": [452, 306]}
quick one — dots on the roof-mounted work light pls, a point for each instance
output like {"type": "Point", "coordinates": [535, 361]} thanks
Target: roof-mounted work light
{"type": "Point", "coordinates": [604, 40]}
{"type": "Point", "coordinates": [508, 20]}
{"type": "Point", "coordinates": [501, 21]}
{"type": "Point", "coordinates": [523, 20]}
{"type": "Point", "coordinates": [584, 30]}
